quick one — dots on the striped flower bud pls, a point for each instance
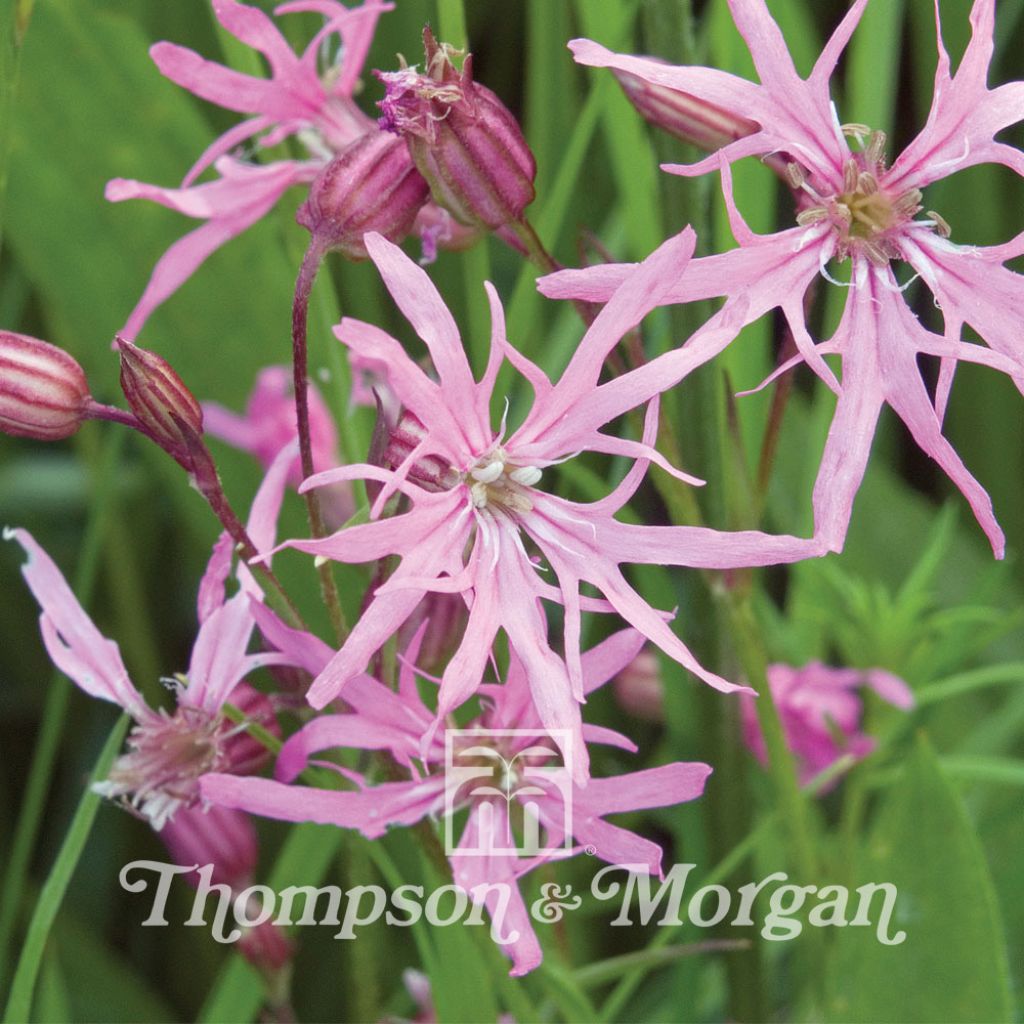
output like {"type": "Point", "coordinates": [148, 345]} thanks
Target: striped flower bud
{"type": "Point", "coordinates": [372, 185]}
{"type": "Point", "coordinates": [465, 141]}
{"type": "Point", "coordinates": [163, 405]}
{"type": "Point", "coordinates": [687, 118]}
{"type": "Point", "coordinates": [43, 391]}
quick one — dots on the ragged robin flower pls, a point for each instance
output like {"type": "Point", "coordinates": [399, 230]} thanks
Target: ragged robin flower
{"type": "Point", "coordinates": [852, 207]}
{"type": "Point", "coordinates": [479, 522]}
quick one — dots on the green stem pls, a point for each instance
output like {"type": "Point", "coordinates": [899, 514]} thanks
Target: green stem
{"type": "Point", "coordinates": [19, 1005]}
{"type": "Point", "coordinates": [782, 765]}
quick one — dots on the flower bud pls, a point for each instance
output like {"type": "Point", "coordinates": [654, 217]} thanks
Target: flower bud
{"type": "Point", "coordinates": [43, 391]}
{"type": "Point", "coordinates": [687, 118]}
{"type": "Point", "coordinates": [371, 185]}
{"type": "Point", "coordinates": [464, 140]}
{"type": "Point", "coordinates": [164, 406]}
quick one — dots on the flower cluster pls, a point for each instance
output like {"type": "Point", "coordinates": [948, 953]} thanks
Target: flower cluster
{"type": "Point", "coordinates": [488, 580]}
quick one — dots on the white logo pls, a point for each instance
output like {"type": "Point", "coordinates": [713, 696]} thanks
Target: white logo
{"type": "Point", "coordinates": [520, 785]}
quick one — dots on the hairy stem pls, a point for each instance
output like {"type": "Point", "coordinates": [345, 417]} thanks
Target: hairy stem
{"type": "Point", "coordinates": [300, 370]}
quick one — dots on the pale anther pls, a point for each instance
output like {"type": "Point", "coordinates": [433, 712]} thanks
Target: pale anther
{"type": "Point", "coordinates": [526, 475]}
{"type": "Point", "coordinates": [489, 473]}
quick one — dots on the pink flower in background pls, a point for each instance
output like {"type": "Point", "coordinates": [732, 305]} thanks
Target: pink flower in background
{"type": "Point", "coordinates": [821, 712]}
{"type": "Point", "coordinates": [475, 503]}
{"type": "Point", "coordinates": [510, 778]}
{"type": "Point", "coordinates": [300, 99]}
{"type": "Point", "coordinates": [640, 690]}
{"type": "Point", "coordinates": [269, 424]}
{"type": "Point", "coordinates": [168, 751]}
{"type": "Point", "coordinates": [851, 207]}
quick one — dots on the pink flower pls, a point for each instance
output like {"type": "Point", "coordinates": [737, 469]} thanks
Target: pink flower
{"type": "Point", "coordinates": [852, 207]}
{"type": "Point", "coordinates": [226, 841]}
{"type": "Point", "coordinates": [475, 503]}
{"type": "Point", "coordinates": [821, 712]}
{"type": "Point", "coordinates": [299, 100]}
{"type": "Point", "coordinates": [639, 688]}
{"type": "Point", "coordinates": [168, 751]}
{"type": "Point", "coordinates": [269, 424]}
{"type": "Point", "coordinates": [508, 735]}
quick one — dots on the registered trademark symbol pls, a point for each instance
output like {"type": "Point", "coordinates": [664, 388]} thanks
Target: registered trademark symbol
{"type": "Point", "coordinates": [590, 851]}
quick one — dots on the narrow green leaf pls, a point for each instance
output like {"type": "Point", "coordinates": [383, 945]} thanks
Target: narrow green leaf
{"type": "Point", "coordinates": [20, 1002]}
{"type": "Point", "coordinates": [14, 18]}
{"type": "Point", "coordinates": [925, 845]}
{"type": "Point", "coordinates": [1001, 770]}
{"type": "Point", "coordinates": [968, 682]}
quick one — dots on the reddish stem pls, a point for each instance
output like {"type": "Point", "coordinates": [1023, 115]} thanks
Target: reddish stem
{"type": "Point", "coordinates": [300, 371]}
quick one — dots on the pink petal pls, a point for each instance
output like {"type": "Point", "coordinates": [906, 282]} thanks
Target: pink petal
{"type": "Point", "coordinates": [526, 626]}
{"type": "Point", "coordinates": [465, 670]}
{"type": "Point", "coordinates": [229, 205]}
{"type": "Point", "coordinates": [218, 660]}
{"type": "Point", "coordinates": [370, 811]}
{"type": "Point", "coordinates": [609, 737]}
{"type": "Point", "coordinates": [211, 586]}
{"type": "Point", "coordinates": [610, 657]}
{"type": "Point", "coordinates": [646, 287]}
{"type": "Point", "coordinates": [423, 307]}
{"type": "Point", "coordinates": [848, 445]}
{"type": "Point", "coordinates": [303, 649]}
{"type": "Point", "coordinates": [283, 100]}
{"type": "Point", "coordinates": [655, 787]}
{"type": "Point", "coordinates": [498, 870]}
{"type": "Point", "coordinates": [890, 688]}
{"type": "Point", "coordinates": [266, 506]}
{"type": "Point", "coordinates": [965, 115]}
{"type": "Point", "coordinates": [73, 642]}
{"type": "Point", "coordinates": [907, 395]}
{"type": "Point", "coordinates": [327, 732]}
{"type": "Point", "coordinates": [410, 384]}
{"type": "Point", "coordinates": [386, 613]}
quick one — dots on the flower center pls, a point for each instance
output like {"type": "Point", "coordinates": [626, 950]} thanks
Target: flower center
{"type": "Point", "coordinates": [498, 485]}
{"type": "Point", "coordinates": [166, 755]}
{"type": "Point", "coordinates": [866, 217]}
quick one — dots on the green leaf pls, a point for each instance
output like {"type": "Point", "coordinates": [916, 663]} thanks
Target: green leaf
{"type": "Point", "coordinates": [52, 894]}
{"type": "Point", "coordinates": [100, 982]}
{"type": "Point", "coordinates": [14, 18]}
{"type": "Point", "coordinates": [461, 981]}
{"type": "Point", "coordinates": [952, 965]}
{"type": "Point", "coordinates": [1001, 770]}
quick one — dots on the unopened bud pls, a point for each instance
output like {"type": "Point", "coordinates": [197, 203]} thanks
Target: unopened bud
{"type": "Point", "coordinates": [464, 140]}
{"type": "Point", "coordinates": [43, 391]}
{"type": "Point", "coordinates": [687, 118]}
{"type": "Point", "coordinates": [163, 405]}
{"type": "Point", "coordinates": [371, 185]}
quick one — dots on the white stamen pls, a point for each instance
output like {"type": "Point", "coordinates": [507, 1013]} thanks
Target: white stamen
{"type": "Point", "coordinates": [489, 473]}
{"type": "Point", "coordinates": [526, 475]}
